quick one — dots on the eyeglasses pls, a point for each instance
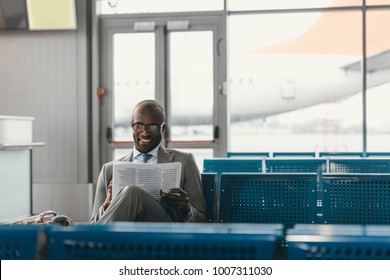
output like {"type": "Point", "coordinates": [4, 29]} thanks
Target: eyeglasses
{"type": "Point", "coordinates": [152, 128]}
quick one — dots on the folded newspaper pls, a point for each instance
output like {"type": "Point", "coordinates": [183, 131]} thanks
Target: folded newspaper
{"type": "Point", "coordinates": [150, 177]}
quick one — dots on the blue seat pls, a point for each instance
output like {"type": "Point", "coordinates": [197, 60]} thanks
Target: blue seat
{"type": "Point", "coordinates": [287, 165]}
{"type": "Point", "coordinates": [300, 165]}
{"type": "Point", "coordinates": [356, 198]}
{"type": "Point", "coordinates": [378, 154]}
{"type": "Point", "coordinates": [209, 183]}
{"type": "Point", "coordinates": [359, 165]}
{"type": "Point", "coordinates": [294, 154]}
{"type": "Point", "coordinates": [219, 165]}
{"type": "Point", "coordinates": [338, 242]}
{"type": "Point", "coordinates": [268, 198]}
{"type": "Point", "coordinates": [248, 154]}
{"type": "Point", "coordinates": [19, 242]}
{"type": "Point", "coordinates": [164, 241]}
{"type": "Point", "coordinates": [341, 154]}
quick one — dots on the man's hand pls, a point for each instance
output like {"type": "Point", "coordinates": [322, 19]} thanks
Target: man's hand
{"type": "Point", "coordinates": [108, 199]}
{"type": "Point", "coordinates": [176, 198]}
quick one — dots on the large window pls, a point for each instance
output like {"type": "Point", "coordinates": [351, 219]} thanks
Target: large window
{"type": "Point", "coordinates": [191, 86]}
{"type": "Point", "coordinates": [378, 77]}
{"type": "Point", "coordinates": [296, 76]}
{"type": "Point", "coordinates": [293, 84]}
{"type": "Point", "coordinates": [134, 76]}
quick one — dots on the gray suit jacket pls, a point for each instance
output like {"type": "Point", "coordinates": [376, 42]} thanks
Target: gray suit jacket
{"type": "Point", "coordinates": [190, 182]}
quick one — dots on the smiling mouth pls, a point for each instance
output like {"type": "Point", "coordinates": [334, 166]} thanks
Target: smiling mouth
{"type": "Point", "coordinates": [145, 141]}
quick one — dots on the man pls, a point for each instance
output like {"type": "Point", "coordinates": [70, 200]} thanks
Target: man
{"type": "Point", "coordinates": [184, 204]}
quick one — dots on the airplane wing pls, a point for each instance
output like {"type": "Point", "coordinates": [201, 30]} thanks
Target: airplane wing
{"type": "Point", "coordinates": [376, 62]}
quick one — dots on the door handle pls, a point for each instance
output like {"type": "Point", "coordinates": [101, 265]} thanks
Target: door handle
{"type": "Point", "coordinates": [109, 134]}
{"type": "Point", "coordinates": [216, 132]}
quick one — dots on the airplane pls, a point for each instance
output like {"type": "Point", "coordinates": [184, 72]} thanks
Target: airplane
{"type": "Point", "coordinates": [286, 87]}
{"type": "Point", "coordinates": [270, 83]}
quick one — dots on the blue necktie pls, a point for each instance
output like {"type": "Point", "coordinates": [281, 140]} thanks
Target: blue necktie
{"type": "Point", "coordinates": [145, 157]}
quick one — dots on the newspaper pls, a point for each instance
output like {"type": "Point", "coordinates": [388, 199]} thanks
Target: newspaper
{"type": "Point", "coordinates": [150, 177]}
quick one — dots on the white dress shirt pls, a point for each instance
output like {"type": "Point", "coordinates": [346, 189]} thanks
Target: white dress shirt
{"type": "Point", "coordinates": [153, 158]}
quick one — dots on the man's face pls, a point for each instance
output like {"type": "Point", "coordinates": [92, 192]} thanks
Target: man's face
{"type": "Point", "coordinates": [148, 139]}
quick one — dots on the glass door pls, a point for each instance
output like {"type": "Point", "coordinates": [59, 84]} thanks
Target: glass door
{"type": "Point", "coordinates": [178, 61]}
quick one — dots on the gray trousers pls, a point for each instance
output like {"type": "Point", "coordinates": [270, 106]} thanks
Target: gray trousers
{"type": "Point", "coordinates": [134, 204]}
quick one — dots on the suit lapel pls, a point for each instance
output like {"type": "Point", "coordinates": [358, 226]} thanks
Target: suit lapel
{"type": "Point", "coordinates": [167, 156]}
{"type": "Point", "coordinates": [164, 155]}
{"type": "Point", "coordinates": [128, 157]}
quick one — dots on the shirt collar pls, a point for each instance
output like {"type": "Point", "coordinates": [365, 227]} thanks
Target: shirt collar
{"type": "Point", "coordinates": [153, 152]}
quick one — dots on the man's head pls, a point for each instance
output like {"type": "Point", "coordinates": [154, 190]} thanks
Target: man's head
{"type": "Point", "coordinates": [148, 123]}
